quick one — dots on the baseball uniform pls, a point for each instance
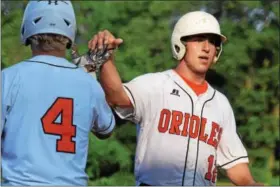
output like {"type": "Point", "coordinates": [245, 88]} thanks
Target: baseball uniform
{"type": "Point", "coordinates": [49, 106]}
{"type": "Point", "coordinates": [182, 138]}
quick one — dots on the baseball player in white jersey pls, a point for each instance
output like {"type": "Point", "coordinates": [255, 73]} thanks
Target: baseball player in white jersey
{"type": "Point", "coordinates": [186, 128]}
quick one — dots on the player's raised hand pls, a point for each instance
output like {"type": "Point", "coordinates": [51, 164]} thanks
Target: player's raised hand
{"type": "Point", "coordinates": [104, 39]}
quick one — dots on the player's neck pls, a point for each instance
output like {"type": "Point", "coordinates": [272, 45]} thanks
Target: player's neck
{"type": "Point", "coordinates": [189, 75]}
{"type": "Point", "coordinates": [61, 54]}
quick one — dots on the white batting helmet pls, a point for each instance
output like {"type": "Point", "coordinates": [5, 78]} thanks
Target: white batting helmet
{"type": "Point", "coordinates": [54, 17]}
{"type": "Point", "coordinates": [192, 23]}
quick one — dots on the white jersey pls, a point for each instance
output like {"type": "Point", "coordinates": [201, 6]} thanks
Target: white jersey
{"type": "Point", "coordinates": [182, 137]}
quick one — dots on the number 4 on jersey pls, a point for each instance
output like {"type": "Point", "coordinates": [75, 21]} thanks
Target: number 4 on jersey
{"type": "Point", "coordinates": [62, 107]}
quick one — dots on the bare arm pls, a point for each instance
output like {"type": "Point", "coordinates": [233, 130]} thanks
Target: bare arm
{"type": "Point", "coordinates": [240, 175]}
{"type": "Point", "coordinates": [109, 77]}
{"type": "Point", "coordinates": [112, 85]}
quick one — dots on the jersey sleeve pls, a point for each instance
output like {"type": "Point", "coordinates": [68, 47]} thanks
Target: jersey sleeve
{"type": "Point", "coordinates": [10, 85]}
{"type": "Point", "coordinates": [140, 91]}
{"type": "Point", "coordinates": [231, 150]}
{"type": "Point", "coordinates": [4, 105]}
{"type": "Point", "coordinates": [104, 120]}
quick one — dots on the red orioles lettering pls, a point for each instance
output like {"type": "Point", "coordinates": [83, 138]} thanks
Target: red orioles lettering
{"type": "Point", "coordinates": [171, 121]}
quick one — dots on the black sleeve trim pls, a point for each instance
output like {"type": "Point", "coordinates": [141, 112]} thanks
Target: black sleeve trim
{"type": "Point", "coordinates": [107, 127]}
{"type": "Point", "coordinates": [233, 161]}
{"type": "Point", "coordinates": [134, 108]}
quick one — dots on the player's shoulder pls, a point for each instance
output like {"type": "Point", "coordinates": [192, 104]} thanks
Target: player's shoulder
{"type": "Point", "coordinates": [151, 78]}
{"type": "Point", "coordinates": [221, 96]}
{"type": "Point", "coordinates": [222, 100]}
{"type": "Point", "coordinates": [87, 77]}
{"type": "Point", "coordinates": [91, 81]}
{"type": "Point", "coordinates": [14, 69]}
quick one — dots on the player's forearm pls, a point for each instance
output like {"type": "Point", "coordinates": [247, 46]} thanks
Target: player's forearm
{"type": "Point", "coordinates": [112, 85]}
{"type": "Point", "coordinates": [245, 182]}
{"type": "Point", "coordinates": [240, 175]}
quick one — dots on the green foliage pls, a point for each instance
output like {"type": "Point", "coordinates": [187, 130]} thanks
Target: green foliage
{"type": "Point", "coordinates": [126, 135]}
{"type": "Point", "coordinates": [118, 179]}
{"type": "Point", "coordinates": [107, 157]}
{"type": "Point", "coordinates": [249, 65]}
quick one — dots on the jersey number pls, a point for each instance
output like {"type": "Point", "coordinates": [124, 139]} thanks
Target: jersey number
{"type": "Point", "coordinates": [211, 173]}
{"type": "Point", "coordinates": [62, 107]}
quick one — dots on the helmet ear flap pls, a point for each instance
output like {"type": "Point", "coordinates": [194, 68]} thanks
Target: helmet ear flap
{"type": "Point", "coordinates": [178, 48]}
{"type": "Point", "coordinates": [69, 45]}
{"type": "Point", "coordinates": [27, 42]}
{"type": "Point", "coordinates": [218, 51]}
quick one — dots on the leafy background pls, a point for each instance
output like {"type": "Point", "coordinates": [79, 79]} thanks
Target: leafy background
{"type": "Point", "coordinates": [247, 72]}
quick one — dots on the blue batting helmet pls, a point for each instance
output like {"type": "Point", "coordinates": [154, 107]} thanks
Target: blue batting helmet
{"type": "Point", "coordinates": [48, 17]}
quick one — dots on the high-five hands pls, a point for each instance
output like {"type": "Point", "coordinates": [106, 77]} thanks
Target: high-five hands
{"type": "Point", "coordinates": [100, 51]}
{"type": "Point", "coordinates": [104, 40]}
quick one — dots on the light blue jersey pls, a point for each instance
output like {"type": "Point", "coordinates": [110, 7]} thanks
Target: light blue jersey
{"type": "Point", "coordinates": [49, 106]}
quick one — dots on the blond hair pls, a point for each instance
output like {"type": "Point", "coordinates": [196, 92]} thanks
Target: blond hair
{"type": "Point", "coordinates": [48, 42]}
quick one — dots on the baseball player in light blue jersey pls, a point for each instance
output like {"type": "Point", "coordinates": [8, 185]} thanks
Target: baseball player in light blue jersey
{"type": "Point", "coordinates": [49, 105]}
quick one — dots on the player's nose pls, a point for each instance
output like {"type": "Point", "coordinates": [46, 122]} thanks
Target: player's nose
{"type": "Point", "coordinates": [205, 46]}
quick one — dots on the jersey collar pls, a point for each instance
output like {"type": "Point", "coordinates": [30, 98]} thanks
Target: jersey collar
{"type": "Point", "coordinates": [52, 60]}
{"type": "Point", "coordinates": [179, 81]}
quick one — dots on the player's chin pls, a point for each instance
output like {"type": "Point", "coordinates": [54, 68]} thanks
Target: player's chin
{"type": "Point", "coordinates": [202, 69]}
